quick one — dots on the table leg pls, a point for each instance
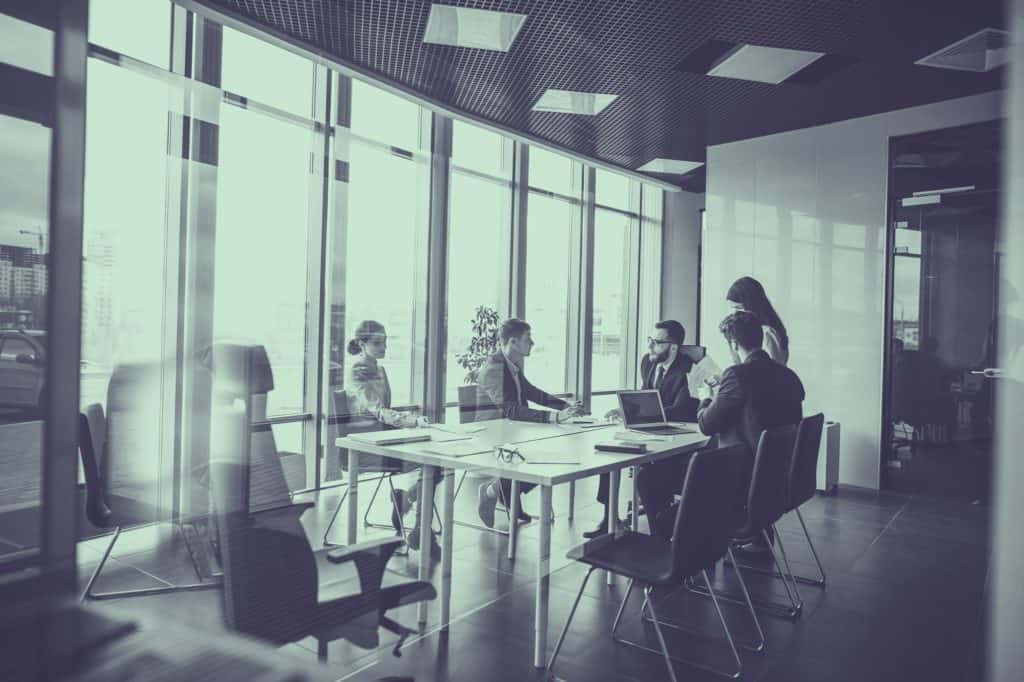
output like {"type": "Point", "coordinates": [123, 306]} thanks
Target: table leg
{"type": "Point", "coordinates": [572, 499]}
{"type": "Point", "coordinates": [540, 616]}
{"type": "Point", "coordinates": [352, 513]}
{"type": "Point", "coordinates": [448, 517]}
{"type": "Point", "coordinates": [636, 498]}
{"type": "Point", "coordinates": [426, 519]}
{"type": "Point", "coordinates": [513, 520]}
{"type": "Point", "coordinates": [613, 509]}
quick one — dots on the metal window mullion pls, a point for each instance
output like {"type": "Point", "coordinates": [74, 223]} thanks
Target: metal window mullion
{"type": "Point", "coordinates": [437, 268]}
{"type": "Point", "coordinates": [516, 303]}
{"type": "Point", "coordinates": [316, 271]}
{"type": "Point", "coordinates": [200, 161]}
{"type": "Point", "coordinates": [632, 292]}
{"type": "Point", "coordinates": [64, 303]}
{"type": "Point", "coordinates": [581, 293]}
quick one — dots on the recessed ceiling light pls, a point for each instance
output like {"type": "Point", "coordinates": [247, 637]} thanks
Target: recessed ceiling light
{"type": "Point", "coordinates": [571, 102]}
{"type": "Point", "coordinates": [983, 51]}
{"type": "Point", "coordinates": [763, 64]}
{"type": "Point", "coordinates": [670, 166]}
{"type": "Point", "coordinates": [475, 28]}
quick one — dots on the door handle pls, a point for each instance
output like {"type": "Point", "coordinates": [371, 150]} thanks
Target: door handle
{"type": "Point", "coordinates": [989, 372]}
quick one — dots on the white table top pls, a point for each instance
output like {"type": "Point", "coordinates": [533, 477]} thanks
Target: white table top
{"type": "Point", "coordinates": [539, 442]}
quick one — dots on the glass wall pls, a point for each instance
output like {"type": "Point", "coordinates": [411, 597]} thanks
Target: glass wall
{"type": "Point", "coordinates": [25, 137]}
{"type": "Point", "coordinates": [280, 204]}
{"type": "Point", "coordinates": [553, 214]}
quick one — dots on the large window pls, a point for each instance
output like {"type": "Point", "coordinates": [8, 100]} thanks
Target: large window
{"type": "Point", "coordinates": [479, 214]}
{"type": "Point", "coordinates": [612, 290]}
{"type": "Point", "coordinates": [551, 224]}
{"type": "Point", "coordinates": [24, 282]}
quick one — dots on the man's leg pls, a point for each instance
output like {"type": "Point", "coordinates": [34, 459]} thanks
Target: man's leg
{"type": "Point", "coordinates": [602, 497]}
{"type": "Point", "coordinates": [657, 485]}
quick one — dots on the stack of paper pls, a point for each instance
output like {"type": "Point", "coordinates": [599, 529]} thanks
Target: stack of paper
{"type": "Point", "coordinates": [700, 372]}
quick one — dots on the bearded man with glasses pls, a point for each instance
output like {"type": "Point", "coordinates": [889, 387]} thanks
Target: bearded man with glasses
{"type": "Point", "coordinates": [664, 368]}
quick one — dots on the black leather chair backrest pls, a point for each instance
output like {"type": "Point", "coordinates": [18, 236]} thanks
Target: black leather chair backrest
{"type": "Point", "coordinates": [92, 436]}
{"type": "Point", "coordinates": [769, 484]}
{"type": "Point", "coordinates": [270, 573]}
{"type": "Point", "coordinates": [701, 533]}
{"type": "Point", "coordinates": [467, 404]}
{"type": "Point", "coordinates": [803, 472]}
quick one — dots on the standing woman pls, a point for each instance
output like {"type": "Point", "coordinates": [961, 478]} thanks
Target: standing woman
{"type": "Point", "coordinates": [747, 294]}
{"type": "Point", "coordinates": [369, 394]}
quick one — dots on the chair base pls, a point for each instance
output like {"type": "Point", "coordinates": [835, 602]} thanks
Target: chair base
{"type": "Point", "coordinates": [814, 582]}
{"type": "Point", "coordinates": [653, 619]}
{"type": "Point", "coordinates": [88, 594]}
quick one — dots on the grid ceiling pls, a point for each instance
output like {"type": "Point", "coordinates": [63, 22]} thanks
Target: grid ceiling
{"type": "Point", "coordinates": [632, 47]}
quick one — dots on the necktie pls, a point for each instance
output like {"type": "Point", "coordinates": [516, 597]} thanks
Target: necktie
{"type": "Point", "coordinates": [659, 376]}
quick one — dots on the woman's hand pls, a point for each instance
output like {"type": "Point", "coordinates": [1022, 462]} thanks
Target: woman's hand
{"type": "Point", "coordinates": [363, 370]}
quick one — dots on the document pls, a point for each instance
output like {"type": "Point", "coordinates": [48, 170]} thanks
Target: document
{"type": "Point", "coordinates": [461, 448]}
{"type": "Point", "coordinates": [700, 372]}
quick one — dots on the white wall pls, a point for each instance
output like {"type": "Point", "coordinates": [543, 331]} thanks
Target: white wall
{"type": "Point", "coordinates": [680, 260]}
{"type": "Point", "coordinates": [804, 212]}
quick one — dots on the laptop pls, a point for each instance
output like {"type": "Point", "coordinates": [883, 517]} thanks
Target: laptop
{"type": "Point", "coordinates": [642, 411]}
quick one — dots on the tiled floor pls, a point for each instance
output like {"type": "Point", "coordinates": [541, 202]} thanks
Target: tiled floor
{"type": "Point", "coordinates": [906, 581]}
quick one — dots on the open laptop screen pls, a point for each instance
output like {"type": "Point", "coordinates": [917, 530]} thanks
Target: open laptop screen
{"type": "Point", "coordinates": [641, 407]}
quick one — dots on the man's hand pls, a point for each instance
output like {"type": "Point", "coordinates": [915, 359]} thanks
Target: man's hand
{"type": "Point", "coordinates": [614, 415]}
{"type": "Point", "coordinates": [568, 413]}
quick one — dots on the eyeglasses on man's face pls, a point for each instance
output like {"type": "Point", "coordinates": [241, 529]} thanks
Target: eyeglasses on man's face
{"type": "Point", "coordinates": [651, 341]}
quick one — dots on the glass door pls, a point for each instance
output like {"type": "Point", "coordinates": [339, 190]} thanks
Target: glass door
{"type": "Point", "coordinates": [944, 312]}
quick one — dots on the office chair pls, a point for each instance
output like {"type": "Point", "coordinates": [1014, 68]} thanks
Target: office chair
{"type": "Point", "coordinates": [341, 422]}
{"type": "Point", "coordinates": [803, 474]}
{"type": "Point", "coordinates": [123, 470]}
{"type": "Point", "coordinates": [271, 578]}
{"type": "Point", "coordinates": [699, 539]}
{"type": "Point", "coordinates": [767, 501]}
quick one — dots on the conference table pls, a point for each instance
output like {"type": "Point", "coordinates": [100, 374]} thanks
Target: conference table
{"type": "Point", "coordinates": [554, 454]}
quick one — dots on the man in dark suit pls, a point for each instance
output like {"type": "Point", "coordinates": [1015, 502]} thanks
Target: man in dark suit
{"type": "Point", "coordinates": [754, 394]}
{"type": "Point", "coordinates": [665, 368]}
{"type": "Point", "coordinates": [504, 392]}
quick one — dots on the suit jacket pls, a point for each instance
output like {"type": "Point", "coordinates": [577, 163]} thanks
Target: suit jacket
{"type": "Point", "coordinates": [496, 395]}
{"type": "Point", "coordinates": [754, 395]}
{"type": "Point", "coordinates": [674, 388]}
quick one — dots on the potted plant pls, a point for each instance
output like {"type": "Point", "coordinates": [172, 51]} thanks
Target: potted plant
{"type": "Point", "coordinates": [482, 345]}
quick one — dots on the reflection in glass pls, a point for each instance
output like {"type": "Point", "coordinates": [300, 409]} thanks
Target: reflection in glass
{"type": "Point", "coordinates": [24, 281]}
{"type": "Point", "coordinates": [263, 200]}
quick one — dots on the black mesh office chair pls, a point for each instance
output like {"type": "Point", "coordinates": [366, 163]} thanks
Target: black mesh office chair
{"type": "Point", "coordinates": [271, 577]}
{"type": "Point", "coordinates": [125, 473]}
{"type": "Point", "coordinates": [767, 501]}
{"type": "Point", "coordinates": [699, 539]}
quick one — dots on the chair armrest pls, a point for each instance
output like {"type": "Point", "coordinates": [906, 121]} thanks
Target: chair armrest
{"type": "Point", "coordinates": [349, 552]}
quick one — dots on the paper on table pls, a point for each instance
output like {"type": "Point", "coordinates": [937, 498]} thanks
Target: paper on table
{"type": "Point", "coordinates": [461, 448]}
{"type": "Point", "coordinates": [458, 429]}
{"type": "Point", "coordinates": [705, 369]}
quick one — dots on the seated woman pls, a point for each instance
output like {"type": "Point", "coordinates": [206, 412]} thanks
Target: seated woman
{"type": "Point", "coordinates": [369, 395]}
